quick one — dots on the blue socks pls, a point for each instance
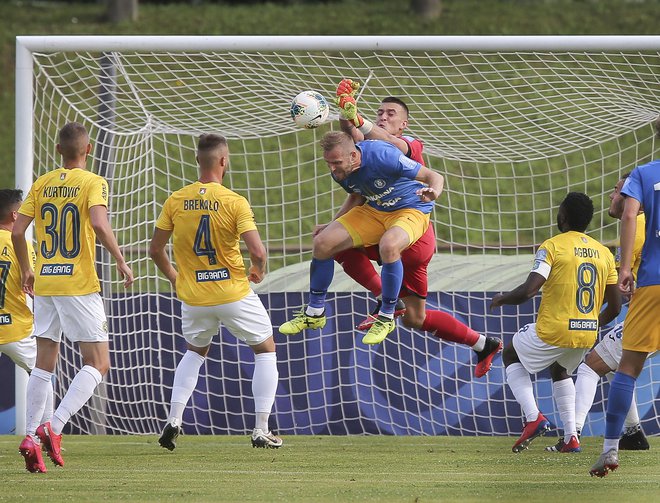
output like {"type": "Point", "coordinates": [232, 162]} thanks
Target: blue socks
{"type": "Point", "coordinates": [618, 403]}
{"type": "Point", "coordinates": [320, 277]}
{"type": "Point", "coordinates": [391, 277]}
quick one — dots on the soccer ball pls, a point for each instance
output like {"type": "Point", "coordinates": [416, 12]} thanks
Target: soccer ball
{"type": "Point", "coordinates": [309, 109]}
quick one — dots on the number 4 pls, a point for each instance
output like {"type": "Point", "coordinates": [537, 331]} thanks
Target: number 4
{"type": "Point", "coordinates": [203, 245]}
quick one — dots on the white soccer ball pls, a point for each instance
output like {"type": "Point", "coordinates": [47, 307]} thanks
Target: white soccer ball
{"type": "Point", "coordinates": [309, 109]}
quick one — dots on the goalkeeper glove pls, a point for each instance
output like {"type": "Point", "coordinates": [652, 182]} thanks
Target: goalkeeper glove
{"type": "Point", "coordinates": [345, 100]}
{"type": "Point", "coordinates": [348, 87]}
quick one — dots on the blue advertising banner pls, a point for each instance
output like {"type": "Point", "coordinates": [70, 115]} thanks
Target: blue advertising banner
{"type": "Point", "coordinates": [330, 383]}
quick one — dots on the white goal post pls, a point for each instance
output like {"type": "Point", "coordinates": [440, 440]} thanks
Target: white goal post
{"type": "Point", "coordinates": [512, 122]}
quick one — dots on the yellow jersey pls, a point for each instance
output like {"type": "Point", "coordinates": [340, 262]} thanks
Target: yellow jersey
{"type": "Point", "coordinates": [59, 202]}
{"type": "Point", "coordinates": [15, 315]}
{"type": "Point", "coordinates": [640, 237]}
{"type": "Point", "coordinates": [576, 268]}
{"type": "Point", "coordinates": [206, 221]}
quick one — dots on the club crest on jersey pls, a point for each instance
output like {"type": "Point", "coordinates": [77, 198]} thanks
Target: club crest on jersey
{"type": "Point", "coordinates": [62, 176]}
{"type": "Point", "coordinates": [202, 191]}
{"type": "Point", "coordinates": [379, 183]}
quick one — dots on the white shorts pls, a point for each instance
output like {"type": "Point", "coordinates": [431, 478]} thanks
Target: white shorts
{"type": "Point", "coordinates": [23, 353]}
{"type": "Point", "coordinates": [246, 319]}
{"type": "Point", "coordinates": [80, 317]}
{"type": "Point", "coordinates": [535, 355]}
{"type": "Point", "coordinates": [610, 347]}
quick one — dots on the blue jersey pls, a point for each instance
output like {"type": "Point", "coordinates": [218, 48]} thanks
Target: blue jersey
{"type": "Point", "coordinates": [643, 184]}
{"type": "Point", "coordinates": [386, 178]}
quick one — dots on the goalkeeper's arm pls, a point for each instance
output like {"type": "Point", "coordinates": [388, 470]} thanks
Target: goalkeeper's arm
{"type": "Point", "coordinates": [353, 123]}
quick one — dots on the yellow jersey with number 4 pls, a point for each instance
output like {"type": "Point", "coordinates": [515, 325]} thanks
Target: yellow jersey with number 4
{"type": "Point", "coordinates": [577, 268]}
{"type": "Point", "coordinates": [15, 315]}
{"type": "Point", "coordinates": [59, 202]}
{"type": "Point", "coordinates": [206, 221]}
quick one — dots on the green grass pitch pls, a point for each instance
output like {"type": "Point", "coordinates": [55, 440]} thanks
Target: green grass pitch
{"type": "Point", "coordinates": [320, 469]}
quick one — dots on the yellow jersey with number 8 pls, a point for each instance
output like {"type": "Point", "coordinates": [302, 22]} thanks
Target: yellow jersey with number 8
{"type": "Point", "coordinates": [59, 202]}
{"type": "Point", "coordinates": [576, 268]}
{"type": "Point", "coordinates": [206, 221]}
{"type": "Point", "coordinates": [15, 315]}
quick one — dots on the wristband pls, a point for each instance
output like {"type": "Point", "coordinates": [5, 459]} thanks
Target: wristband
{"type": "Point", "coordinates": [366, 127]}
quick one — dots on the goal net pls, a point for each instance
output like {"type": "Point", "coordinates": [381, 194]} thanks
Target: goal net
{"type": "Point", "coordinates": [512, 123]}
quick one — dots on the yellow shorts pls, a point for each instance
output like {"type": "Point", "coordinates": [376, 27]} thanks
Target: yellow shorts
{"type": "Point", "coordinates": [641, 329]}
{"type": "Point", "coordinates": [367, 225]}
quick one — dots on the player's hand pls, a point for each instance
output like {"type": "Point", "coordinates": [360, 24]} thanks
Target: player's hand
{"type": "Point", "coordinates": [349, 111]}
{"type": "Point", "coordinates": [345, 100]}
{"type": "Point", "coordinates": [28, 282]}
{"type": "Point", "coordinates": [497, 301]}
{"type": "Point", "coordinates": [125, 273]}
{"type": "Point", "coordinates": [427, 194]}
{"type": "Point", "coordinates": [626, 282]}
{"type": "Point", "coordinates": [318, 229]}
{"type": "Point", "coordinates": [255, 274]}
{"type": "Point", "coordinates": [347, 87]}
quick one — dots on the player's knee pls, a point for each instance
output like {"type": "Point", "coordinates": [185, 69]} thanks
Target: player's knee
{"type": "Point", "coordinates": [413, 319]}
{"type": "Point", "coordinates": [509, 355]}
{"type": "Point", "coordinates": [596, 363]}
{"type": "Point", "coordinates": [389, 251]}
{"type": "Point", "coordinates": [344, 256]}
{"type": "Point", "coordinates": [558, 373]}
{"type": "Point", "coordinates": [322, 247]}
{"type": "Point", "coordinates": [100, 364]}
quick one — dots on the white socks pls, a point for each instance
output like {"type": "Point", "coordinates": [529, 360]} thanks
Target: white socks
{"type": "Point", "coordinates": [39, 388]}
{"type": "Point", "coordinates": [585, 390]}
{"type": "Point", "coordinates": [521, 385]}
{"type": "Point", "coordinates": [264, 386]}
{"type": "Point", "coordinates": [48, 410]}
{"type": "Point", "coordinates": [81, 389]}
{"type": "Point", "coordinates": [480, 344]}
{"type": "Point", "coordinates": [564, 393]}
{"type": "Point", "coordinates": [185, 381]}
{"type": "Point", "coordinates": [314, 311]}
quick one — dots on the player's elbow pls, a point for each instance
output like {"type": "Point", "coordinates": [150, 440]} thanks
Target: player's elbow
{"type": "Point", "coordinates": [258, 255]}
{"type": "Point", "coordinates": [154, 250]}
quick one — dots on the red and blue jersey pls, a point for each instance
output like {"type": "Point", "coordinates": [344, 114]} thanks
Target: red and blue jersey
{"type": "Point", "coordinates": [386, 178]}
{"type": "Point", "coordinates": [643, 184]}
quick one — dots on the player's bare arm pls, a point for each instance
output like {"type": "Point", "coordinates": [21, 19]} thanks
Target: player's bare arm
{"type": "Point", "coordinates": [258, 255]}
{"type": "Point", "coordinates": [521, 293]}
{"type": "Point", "coordinates": [348, 127]}
{"type": "Point", "coordinates": [613, 307]}
{"type": "Point", "coordinates": [435, 182]}
{"type": "Point", "coordinates": [98, 216]}
{"type": "Point", "coordinates": [157, 253]}
{"type": "Point", "coordinates": [628, 228]}
{"type": "Point", "coordinates": [20, 248]}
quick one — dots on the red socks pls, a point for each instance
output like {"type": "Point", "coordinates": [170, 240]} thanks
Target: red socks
{"type": "Point", "coordinates": [448, 328]}
{"type": "Point", "coordinates": [358, 266]}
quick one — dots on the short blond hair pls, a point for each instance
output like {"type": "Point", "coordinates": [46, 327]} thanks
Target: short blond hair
{"type": "Point", "coordinates": [333, 139]}
{"type": "Point", "coordinates": [73, 140]}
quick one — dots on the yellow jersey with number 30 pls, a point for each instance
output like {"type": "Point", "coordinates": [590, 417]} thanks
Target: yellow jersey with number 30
{"type": "Point", "coordinates": [15, 315]}
{"type": "Point", "coordinates": [577, 268]}
{"type": "Point", "coordinates": [59, 202]}
{"type": "Point", "coordinates": [206, 221]}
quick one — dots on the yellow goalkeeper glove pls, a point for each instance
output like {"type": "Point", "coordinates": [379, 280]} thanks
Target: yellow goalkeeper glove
{"type": "Point", "coordinates": [345, 100]}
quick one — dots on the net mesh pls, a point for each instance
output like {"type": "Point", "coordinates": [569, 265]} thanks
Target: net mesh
{"type": "Point", "coordinates": [511, 132]}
